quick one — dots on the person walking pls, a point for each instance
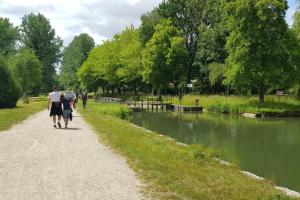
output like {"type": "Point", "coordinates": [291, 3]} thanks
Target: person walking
{"type": "Point", "coordinates": [67, 109]}
{"type": "Point", "coordinates": [55, 104]}
{"type": "Point", "coordinates": [71, 96]}
{"type": "Point", "coordinates": [84, 98]}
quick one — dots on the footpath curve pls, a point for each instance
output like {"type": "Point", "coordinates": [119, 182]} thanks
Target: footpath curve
{"type": "Point", "coordinates": [38, 162]}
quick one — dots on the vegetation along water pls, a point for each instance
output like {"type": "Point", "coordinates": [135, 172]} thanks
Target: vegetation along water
{"type": "Point", "coordinates": [268, 147]}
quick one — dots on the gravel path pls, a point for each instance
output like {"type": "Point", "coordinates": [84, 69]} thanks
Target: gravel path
{"type": "Point", "coordinates": [38, 162]}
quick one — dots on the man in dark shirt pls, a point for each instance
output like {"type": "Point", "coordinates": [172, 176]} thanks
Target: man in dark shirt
{"type": "Point", "coordinates": [84, 98]}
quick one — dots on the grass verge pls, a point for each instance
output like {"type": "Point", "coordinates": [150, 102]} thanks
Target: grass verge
{"type": "Point", "coordinates": [172, 171]}
{"type": "Point", "coordinates": [9, 117]}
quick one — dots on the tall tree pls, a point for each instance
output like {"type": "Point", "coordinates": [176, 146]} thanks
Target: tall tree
{"type": "Point", "coordinates": [8, 36]}
{"type": "Point", "coordinates": [100, 68]}
{"type": "Point", "coordinates": [74, 56]}
{"type": "Point", "coordinates": [26, 69]}
{"type": "Point", "coordinates": [211, 42]}
{"type": "Point", "coordinates": [40, 36]}
{"type": "Point", "coordinates": [257, 45]}
{"type": "Point", "coordinates": [187, 15]}
{"type": "Point", "coordinates": [295, 51]}
{"type": "Point", "coordinates": [164, 57]}
{"type": "Point", "coordinates": [148, 23]}
{"type": "Point", "coordinates": [129, 56]}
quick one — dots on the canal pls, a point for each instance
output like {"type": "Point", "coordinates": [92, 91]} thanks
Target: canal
{"type": "Point", "coordinates": [267, 147]}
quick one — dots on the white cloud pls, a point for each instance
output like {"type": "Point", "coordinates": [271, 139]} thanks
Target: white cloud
{"type": "Point", "coordinates": [99, 18]}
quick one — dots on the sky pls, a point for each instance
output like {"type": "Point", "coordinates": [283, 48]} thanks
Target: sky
{"type": "Point", "coordinates": [101, 19]}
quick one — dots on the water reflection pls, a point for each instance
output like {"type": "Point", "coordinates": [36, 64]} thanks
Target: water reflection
{"type": "Point", "coordinates": [269, 148]}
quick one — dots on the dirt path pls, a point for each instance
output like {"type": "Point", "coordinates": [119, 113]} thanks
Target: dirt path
{"type": "Point", "coordinates": [38, 162]}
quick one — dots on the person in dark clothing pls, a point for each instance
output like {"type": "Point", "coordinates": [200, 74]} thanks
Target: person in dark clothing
{"type": "Point", "coordinates": [67, 109]}
{"type": "Point", "coordinates": [84, 98]}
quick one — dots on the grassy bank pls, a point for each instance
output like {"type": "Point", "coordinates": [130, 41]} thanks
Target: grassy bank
{"type": "Point", "coordinates": [9, 117]}
{"type": "Point", "coordinates": [170, 170]}
{"type": "Point", "coordinates": [239, 104]}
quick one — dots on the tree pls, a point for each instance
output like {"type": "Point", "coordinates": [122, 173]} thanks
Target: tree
{"type": "Point", "coordinates": [217, 75]}
{"type": "Point", "coordinates": [164, 57]}
{"type": "Point", "coordinates": [211, 42]}
{"type": "Point", "coordinates": [257, 45]}
{"type": "Point", "coordinates": [26, 69]}
{"type": "Point", "coordinates": [148, 24]}
{"type": "Point", "coordinates": [40, 36]}
{"type": "Point", "coordinates": [186, 15]}
{"type": "Point", "coordinates": [9, 36]}
{"type": "Point", "coordinates": [9, 93]}
{"type": "Point", "coordinates": [129, 56]}
{"type": "Point", "coordinates": [296, 23]}
{"type": "Point", "coordinates": [74, 56]}
{"type": "Point", "coordinates": [294, 76]}
{"type": "Point", "coordinates": [100, 68]}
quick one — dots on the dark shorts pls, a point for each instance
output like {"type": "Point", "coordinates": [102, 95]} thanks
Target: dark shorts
{"type": "Point", "coordinates": [67, 114]}
{"type": "Point", "coordinates": [56, 109]}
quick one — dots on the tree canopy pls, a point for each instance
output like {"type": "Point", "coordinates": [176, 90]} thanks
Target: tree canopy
{"type": "Point", "coordinates": [257, 45]}
{"type": "Point", "coordinates": [164, 57]}
{"type": "Point", "coordinates": [74, 56]}
{"type": "Point", "coordinates": [38, 34]}
{"type": "Point", "coordinates": [9, 35]}
{"type": "Point", "coordinates": [26, 69]}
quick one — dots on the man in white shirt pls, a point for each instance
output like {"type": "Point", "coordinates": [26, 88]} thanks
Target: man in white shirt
{"type": "Point", "coordinates": [54, 102]}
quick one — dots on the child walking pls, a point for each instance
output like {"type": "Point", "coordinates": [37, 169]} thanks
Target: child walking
{"type": "Point", "coordinates": [67, 109]}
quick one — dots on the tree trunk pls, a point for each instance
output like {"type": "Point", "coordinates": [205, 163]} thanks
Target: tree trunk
{"type": "Point", "coordinates": [261, 92]}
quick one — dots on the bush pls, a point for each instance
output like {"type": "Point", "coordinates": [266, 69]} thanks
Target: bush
{"type": "Point", "coordinates": [9, 93]}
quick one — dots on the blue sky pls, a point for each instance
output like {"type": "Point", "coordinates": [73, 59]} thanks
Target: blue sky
{"type": "Point", "coordinates": [291, 11]}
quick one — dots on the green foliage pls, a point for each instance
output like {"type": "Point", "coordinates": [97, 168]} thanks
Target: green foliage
{"type": "Point", "coordinates": [74, 56]}
{"type": "Point", "coordinates": [8, 36]}
{"type": "Point", "coordinates": [40, 36]}
{"type": "Point", "coordinates": [164, 57]}
{"type": "Point", "coordinates": [9, 93]}
{"type": "Point", "coordinates": [257, 45]}
{"type": "Point", "coordinates": [216, 73]}
{"type": "Point", "coordinates": [148, 23]}
{"type": "Point", "coordinates": [26, 70]}
{"type": "Point", "coordinates": [129, 55]}
{"type": "Point", "coordinates": [114, 63]}
{"type": "Point", "coordinates": [241, 104]}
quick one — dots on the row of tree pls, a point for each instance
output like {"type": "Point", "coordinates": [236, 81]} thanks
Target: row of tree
{"type": "Point", "coordinates": [244, 46]}
{"type": "Point", "coordinates": [29, 55]}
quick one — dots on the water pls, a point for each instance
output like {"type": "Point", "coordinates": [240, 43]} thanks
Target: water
{"type": "Point", "coordinates": [269, 148]}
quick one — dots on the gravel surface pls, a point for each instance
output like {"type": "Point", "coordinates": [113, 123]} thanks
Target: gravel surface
{"type": "Point", "coordinates": [40, 162]}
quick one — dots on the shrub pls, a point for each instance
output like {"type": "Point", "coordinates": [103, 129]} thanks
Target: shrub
{"type": "Point", "coordinates": [9, 93]}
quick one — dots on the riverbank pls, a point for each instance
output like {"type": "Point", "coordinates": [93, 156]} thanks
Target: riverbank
{"type": "Point", "coordinates": [11, 116]}
{"type": "Point", "coordinates": [171, 170]}
{"type": "Point", "coordinates": [242, 104]}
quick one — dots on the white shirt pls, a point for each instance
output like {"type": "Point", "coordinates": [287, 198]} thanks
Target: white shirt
{"type": "Point", "coordinates": [54, 96]}
{"type": "Point", "coordinates": [70, 95]}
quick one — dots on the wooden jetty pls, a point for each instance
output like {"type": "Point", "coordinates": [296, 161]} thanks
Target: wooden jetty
{"type": "Point", "coordinates": [153, 104]}
{"type": "Point", "coordinates": [182, 108]}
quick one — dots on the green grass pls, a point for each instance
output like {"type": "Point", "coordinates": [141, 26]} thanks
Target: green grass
{"type": "Point", "coordinates": [172, 171]}
{"type": "Point", "coordinates": [240, 104]}
{"type": "Point", "coordinates": [9, 117]}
